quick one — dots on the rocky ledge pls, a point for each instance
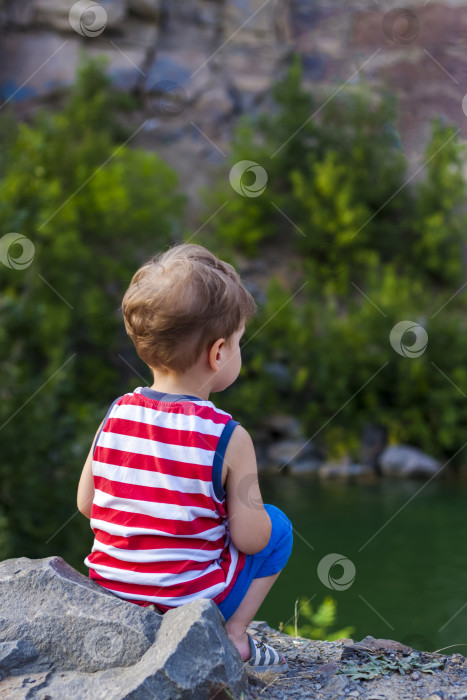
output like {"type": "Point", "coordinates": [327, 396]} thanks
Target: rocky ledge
{"type": "Point", "coordinates": [373, 669]}
{"type": "Point", "coordinates": [63, 636]}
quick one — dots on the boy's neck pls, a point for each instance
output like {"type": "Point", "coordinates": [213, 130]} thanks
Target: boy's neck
{"type": "Point", "coordinates": [185, 385]}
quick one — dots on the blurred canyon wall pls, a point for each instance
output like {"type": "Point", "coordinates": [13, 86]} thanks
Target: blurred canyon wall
{"type": "Point", "coordinates": [200, 64]}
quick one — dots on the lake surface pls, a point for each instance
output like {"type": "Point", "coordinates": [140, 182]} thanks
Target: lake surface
{"type": "Point", "coordinates": [410, 577]}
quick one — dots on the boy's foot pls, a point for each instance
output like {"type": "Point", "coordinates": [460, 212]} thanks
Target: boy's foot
{"type": "Point", "coordinates": [243, 645]}
{"type": "Point", "coordinates": [265, 658]}
{"type": "Point", "coordinates": [261, 656]}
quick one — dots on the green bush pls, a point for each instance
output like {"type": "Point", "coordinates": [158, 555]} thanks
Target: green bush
{"type": "Point", "coordinates": [343, 372]}
{"type": "Point", "coordinates": [317, 623]}
{"type": "Point", "coordinates": [94, 209]}
{"type": "Point", "coordinates": [379, 246]}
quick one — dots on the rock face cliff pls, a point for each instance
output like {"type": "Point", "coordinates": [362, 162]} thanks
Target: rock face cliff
{"type": "Point", "coordinates": [199, 64]}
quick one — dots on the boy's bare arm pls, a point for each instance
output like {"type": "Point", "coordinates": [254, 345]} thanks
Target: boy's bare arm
{"type": "Point", "coordinates": [86, 483]}
{"type": "Point", "coordinates": [249, 523]}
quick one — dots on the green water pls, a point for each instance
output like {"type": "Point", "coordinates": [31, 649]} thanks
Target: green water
{"type": "Point", "coordinates": [411, 577]}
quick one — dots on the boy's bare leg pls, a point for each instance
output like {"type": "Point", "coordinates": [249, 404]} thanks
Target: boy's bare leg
{"type": "Point", "coordinates": [236, 625]}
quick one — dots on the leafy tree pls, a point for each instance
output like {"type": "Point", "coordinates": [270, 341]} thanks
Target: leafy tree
{"type": "Point", "coordinates": [438, 231]}
{"type": "Point", "coordinates": [93, 209]}
{"type": "Point", "coordinates": [371, 246]}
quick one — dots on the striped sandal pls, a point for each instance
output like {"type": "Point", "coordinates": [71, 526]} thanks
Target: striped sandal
{"type": "Point", "coordinates": [265, 658]}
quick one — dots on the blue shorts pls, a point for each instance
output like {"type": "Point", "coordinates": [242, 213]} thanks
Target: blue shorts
{"type": "Point", "coordinates": [268, 561]}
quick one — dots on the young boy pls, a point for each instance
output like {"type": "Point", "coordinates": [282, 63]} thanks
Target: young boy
{"type": "Point", "coordinates": [171, 482]}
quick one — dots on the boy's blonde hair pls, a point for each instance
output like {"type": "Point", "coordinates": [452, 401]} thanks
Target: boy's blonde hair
{"type": "Point", "coordinates": [180, 302]}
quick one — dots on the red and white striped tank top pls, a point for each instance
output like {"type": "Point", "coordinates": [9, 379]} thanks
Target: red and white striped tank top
{"type": "Point", "coordinates": [159, 514]}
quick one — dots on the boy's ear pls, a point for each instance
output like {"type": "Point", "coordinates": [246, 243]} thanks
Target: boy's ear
{"type": "Point", "coordinates": [214, 356]}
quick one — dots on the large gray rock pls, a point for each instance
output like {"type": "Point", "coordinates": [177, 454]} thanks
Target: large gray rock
{"type": "Point", "coordinates": [373, 441]}
{"type": "Point", "coordinates": [148, 9]}
{"type": "Point", "coordinates": [20, 55]}
{"type": "Point", "coordinates": [56, 14]}
{"type": "Point", "coordinates": [282, 426]}
{"type": "Point", "coordinates": [68, 636]}
{"type": "Point", "coordinates": [295, 455]}
{"type": "Point", "coordinates": [406, 461]}
{"type": "Point", "coordinates": [59, 58]}
{"type": "Point", "coordinates": [345, 469]}
{"type": "Point", "coordinates": [255, 17]}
